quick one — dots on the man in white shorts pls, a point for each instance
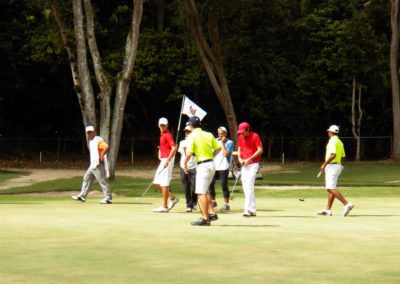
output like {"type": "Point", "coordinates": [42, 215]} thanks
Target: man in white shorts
{"type": "Point", "coordinates": [166, 155]}
{"type": "Point", "coordinates": [204, 147]}
{"type": "Point", "coordinates": [333, 168]}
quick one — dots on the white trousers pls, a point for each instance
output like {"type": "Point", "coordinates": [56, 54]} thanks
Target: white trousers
{"type": "Point", "coordinates": [99, 174]}
{"type": "Point", "coordinates": [249, 174]}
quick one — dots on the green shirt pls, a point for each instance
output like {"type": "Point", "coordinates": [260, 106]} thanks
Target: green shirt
{"type": "Point", "coordinates": [335, 146]}
{"type": "Point", "coordinates": [202, 144]}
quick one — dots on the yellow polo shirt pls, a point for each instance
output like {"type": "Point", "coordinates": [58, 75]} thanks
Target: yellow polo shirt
{"type": "Point", "coordinates": [202, 144]}
{"type": "Point", "coordinates": [335, 146]}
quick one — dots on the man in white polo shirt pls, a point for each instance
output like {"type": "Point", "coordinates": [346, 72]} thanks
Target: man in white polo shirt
{"type": "Point", "coordinates": [333, 168]}
{"type": "Point", "coordinates": [98, 168]}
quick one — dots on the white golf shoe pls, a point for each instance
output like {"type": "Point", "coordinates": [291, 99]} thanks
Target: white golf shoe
{"type": "Point", "coordinates": [161, 209]}
{"type": "Point", "coordinates": [325, 212]}
{"type": "Point", "coordinates": [172, 202]}
{"type": "Point", "coordinates": [78, 198]}
{"type": "Point", "coordinates": [347, 209]}
{"type": "Point", "coordinates": [106, 200]}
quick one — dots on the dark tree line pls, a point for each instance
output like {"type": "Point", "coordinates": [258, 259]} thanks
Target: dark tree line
{"type": "Point", "coordinates": [289, 65]}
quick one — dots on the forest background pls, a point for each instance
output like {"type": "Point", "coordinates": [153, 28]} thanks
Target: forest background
{"type": "Point", "coordinates": [293, 68]}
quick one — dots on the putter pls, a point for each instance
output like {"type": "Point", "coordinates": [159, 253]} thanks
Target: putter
{"type": "Point", "coordinates": [234, 186]}
{"type": "Point", "coordinates": [318, 175]}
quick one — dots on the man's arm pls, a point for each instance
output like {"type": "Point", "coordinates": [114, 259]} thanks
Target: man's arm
{"type": "Point", "coordinates": [255, 155]}
{"type": "Point", "coordinates": [332, 156]}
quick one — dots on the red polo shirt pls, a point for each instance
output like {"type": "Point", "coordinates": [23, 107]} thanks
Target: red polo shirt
{"type": "Point", "coordinates": [249, 145]}
{"type": "Point", "coordinates": [166, 143]}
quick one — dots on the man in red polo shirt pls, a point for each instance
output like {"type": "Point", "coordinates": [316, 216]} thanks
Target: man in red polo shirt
{"type": "Point", "coordinates": [249, 152]}
{"type": "Point", "coordinates": [166, 154]}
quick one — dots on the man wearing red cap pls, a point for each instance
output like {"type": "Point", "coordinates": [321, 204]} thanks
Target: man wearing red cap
{"type": "Point", "coordinates": [249, 153]}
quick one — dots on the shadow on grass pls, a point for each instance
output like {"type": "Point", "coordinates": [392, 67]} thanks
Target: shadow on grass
{"type": "Point", "coordinates": [132, 203]}
{"type": "Point", "coordinates": [22, 203]}
{"type": "Point", "coordinates": [241, 225]}
{"type": "Point", "coordinates": [375, 215]}
{"type": "Point", "coordinates": [288, 216]}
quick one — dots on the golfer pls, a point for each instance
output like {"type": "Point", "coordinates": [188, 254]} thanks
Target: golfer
{"type": "Point", "coordinates": [166, 155]}
{"type": "Point", "coordinates": [188, 179]}
{"type": "Point", "coordinates": [333, 168]}
{"type": "Point", "coordinates": [204, 147]}
{"type": "Point", "coordinates": [98, 168]}
{"type": "Point", "coordinates": [222, 162]}
{"type": "Point", "coordinates": [249, 154]}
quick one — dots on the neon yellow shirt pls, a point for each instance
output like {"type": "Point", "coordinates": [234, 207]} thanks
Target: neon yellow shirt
{"type": "Point", "coordinates": [335, 146]}
{"type": "Point", "coordinates": [202, 144]}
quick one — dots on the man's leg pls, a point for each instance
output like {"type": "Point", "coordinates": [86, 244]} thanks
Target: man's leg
{"type": "Point", "coordinates": [100, 176]}
{"type": "Point", "coordinates": [245, 184]}
{"type": "Point", "coordinates": [212, 186]}
{"type": "Point", "coordinates": [252, 179]}
{"type": "Point", "coordinates": [185, 180]}
{"type": "Point", "coordinates": [333, 193]}
{"type": "Point", "coordinates": [223, 177]}
{"type": "Point", "coordinates": [165, 193]}
{"type": "Point", "coordinates": [87, 182]}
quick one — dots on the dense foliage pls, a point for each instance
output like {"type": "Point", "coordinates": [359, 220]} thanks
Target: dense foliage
{"type": "Point", "coordinates": [290, 66]}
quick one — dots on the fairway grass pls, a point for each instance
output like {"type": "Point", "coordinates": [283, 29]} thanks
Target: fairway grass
{"type": "Point", "coordinates": [53, 239]}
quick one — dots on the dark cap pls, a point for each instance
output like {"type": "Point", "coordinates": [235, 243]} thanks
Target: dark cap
{"type": "Point", "coordinates": [194, 121]}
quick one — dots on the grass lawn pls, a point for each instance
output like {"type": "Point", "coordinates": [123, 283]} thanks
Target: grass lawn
{"type": "Point", "coordinates": [53, 239]}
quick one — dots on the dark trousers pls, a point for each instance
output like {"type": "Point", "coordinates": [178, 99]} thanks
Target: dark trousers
{"type": "Point", "coordinates": [223, 177]}
{"type": "Point", "coordinates": [189, 182]}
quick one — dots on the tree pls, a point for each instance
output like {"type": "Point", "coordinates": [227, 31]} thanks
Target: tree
{"type": "Point", "coordinates": [356, 124]}
{"type": "Point", "coordinates": [394, 75]}
{"type": "Point", "coordinates": [111, 122]}
{"type": "Point", "coordinates": [212, 57]}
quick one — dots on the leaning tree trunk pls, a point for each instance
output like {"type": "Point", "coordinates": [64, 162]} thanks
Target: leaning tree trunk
{"type": "Point", "coordinates": [89, 109]}
{"type": "Point", "coordinates": [102, 80]}
{"type": "Point", "coordinates": [212, 60]}
{"type": "Point", "coordinates": [123, 83]}
{"type": "Point", "coordinates": [394, 75]}
{"type": "Point", "coordinates": [71, 54]}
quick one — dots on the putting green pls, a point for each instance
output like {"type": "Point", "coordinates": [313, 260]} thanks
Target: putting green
{"type": "Point", "coordinates": [58, 240]}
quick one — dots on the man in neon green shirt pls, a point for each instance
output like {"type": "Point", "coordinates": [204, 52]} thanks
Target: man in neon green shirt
{"type": "Point", "coordinates": [204, 147]}
{"type": "Point", "coordinates": [333, 168]}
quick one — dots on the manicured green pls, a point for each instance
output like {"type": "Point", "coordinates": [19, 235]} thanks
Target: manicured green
{"type": "Point", "coordinates": [6, 175]}
{"type": "Point", "coordinates": [57, 240]}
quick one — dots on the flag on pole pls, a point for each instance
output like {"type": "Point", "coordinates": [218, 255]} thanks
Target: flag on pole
{"type": "Point", "coordinates": [191, 109]}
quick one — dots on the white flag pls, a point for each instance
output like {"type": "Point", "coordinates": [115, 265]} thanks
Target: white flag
{"type": "Point", "coordinates": [191, 109]}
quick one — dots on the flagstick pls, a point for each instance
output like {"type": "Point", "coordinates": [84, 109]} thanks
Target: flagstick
{"type": "Point", "coordinates": [180, 118]}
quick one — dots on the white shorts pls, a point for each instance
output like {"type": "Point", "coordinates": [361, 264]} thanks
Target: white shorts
{"type": "Point", "coordinates": [332, 172]}
{"type": "Point", "coordinates": [204, 174]}
{"type": "Point", "coordinates": [163, 175]}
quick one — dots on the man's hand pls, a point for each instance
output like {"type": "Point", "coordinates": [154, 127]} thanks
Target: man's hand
{"type": "Point", "coordinates": [166, 164]}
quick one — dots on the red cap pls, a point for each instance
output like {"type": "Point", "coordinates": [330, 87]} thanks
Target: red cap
{"type": "Point", "coordinates": [243, 127]}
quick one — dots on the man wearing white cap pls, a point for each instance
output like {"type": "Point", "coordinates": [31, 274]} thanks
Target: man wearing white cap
{"type": "Point", "coordinates": [222, 162]}
{"type": "Point", "coordinates": [166, 154]}
{"type": "Point", "coordinates": [98, 168]}
{"type": "Point", "coordinates": [333, 168]}
{"type": "Point", "coordinates": [250, 150]}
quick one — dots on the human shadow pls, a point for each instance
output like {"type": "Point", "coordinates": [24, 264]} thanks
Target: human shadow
{"type": "Point", "coordinates": [372, 215]}
{"type": "Point", "coordinates": [241, 225]}
{"type": "Point", "coordinates": [131, 203]}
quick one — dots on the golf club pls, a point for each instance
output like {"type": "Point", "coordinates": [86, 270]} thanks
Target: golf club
{"type": "Point", "coordinates": [237, 175]}
{"type": "Point", "coordinates": [151, 183]}
{"type": "Point", "coordinates": [318, 175]}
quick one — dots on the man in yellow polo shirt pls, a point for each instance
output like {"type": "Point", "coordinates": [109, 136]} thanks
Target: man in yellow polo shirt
{"type": "Point", "coordinates": [333, 168]}
{"type": "Point", "coordinates": [204, 147]}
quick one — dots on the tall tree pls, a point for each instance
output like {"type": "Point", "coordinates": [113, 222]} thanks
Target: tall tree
{"type": "Point", "coordinates": [212, 58]}
{"type": "Point", "coordinates": [110, 122]}
{"type": "Point", "coordinates": [394, 75]}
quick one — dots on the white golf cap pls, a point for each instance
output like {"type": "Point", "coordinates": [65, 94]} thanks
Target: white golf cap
{"type": "Point", "coordinates": [89, 128]}
{"type": "Point", "coordinates": [333, 128]}
{"type": "Point", "coordinates": [163, 121]}
{"type": "Point", "coordinates": [222, 128]}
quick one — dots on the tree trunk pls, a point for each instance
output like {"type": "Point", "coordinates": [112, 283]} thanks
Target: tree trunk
{"type": "Point", "coordinates": [89, 109]}
{"type": "Point", "coordinates": [123, 83]}
{"type": "Point", "coordinates": [70, 53]}
{"type": "Point", "coordinates": [212, 59]}
{"type": "Point", "coordinates": [160, 15]}
{"type": "Point", "coordinates": [356, 126]}
{"type": "Point", "coordinates": [102, 80]}
{"type": "Point", "coordinates": [394, 49]}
